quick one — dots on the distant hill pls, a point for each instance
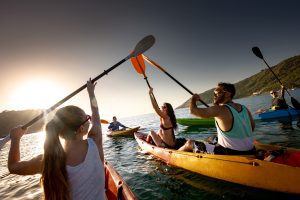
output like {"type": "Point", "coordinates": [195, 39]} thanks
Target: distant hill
{"type": "Point", "coordinates": [288, 72]}
{"type": "Point", "coordinates": [10, 119]}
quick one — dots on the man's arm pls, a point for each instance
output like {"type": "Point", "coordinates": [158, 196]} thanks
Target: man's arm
{"type": "Point", "coordinates": [209, 112]}
{"type": "Point", "coordinates": [282, 91]}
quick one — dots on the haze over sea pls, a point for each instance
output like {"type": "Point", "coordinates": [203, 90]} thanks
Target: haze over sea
{"type": "Point", "coordinates": [153, 179]}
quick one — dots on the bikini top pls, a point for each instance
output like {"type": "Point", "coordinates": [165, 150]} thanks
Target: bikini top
{"type": "Point", "coordinates": [164, 128]}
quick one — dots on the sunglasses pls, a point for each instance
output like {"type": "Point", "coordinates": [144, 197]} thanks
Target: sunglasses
{"type": "Point", "coordinates": [88, 117]}
{"type": "Point", "coordinates": [164, 107]}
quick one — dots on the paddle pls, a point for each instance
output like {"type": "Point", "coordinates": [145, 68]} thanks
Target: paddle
{"type": "Point", "coordinates": [142, 46]}
{"type": "Point", "coordinates": [163, 70]}
{"type": "Point", "coordinates": [258, 53]}
{"type": "Point", "coordinates": [103, 121]}
{"type": "Point", "coordinates": [139, 66]}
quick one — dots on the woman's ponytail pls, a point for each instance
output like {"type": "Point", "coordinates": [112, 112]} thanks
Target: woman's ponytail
{"type": "Point", "coordinates": [54, 176]}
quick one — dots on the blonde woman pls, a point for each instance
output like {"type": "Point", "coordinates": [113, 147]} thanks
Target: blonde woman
{"type": "Point", "coordinates": [74, 171]}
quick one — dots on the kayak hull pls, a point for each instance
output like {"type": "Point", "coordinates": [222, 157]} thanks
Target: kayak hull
{"type": "Point", "coordinates": [115, 186]}
{"type": "Point", "coordinates": [276, 114]}
{"type": "Point", "coordinates": [127, 132]}
{"type": "Point", "coordinates": [244, 170]}
{"type": "Point", "coordinates": [210, 122]}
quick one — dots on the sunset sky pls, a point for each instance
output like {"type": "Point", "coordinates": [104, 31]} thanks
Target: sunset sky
{"type": "Point", "coordinates": [48, 50]}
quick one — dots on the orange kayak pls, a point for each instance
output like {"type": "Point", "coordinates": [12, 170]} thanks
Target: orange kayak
{"type": "Point", "coordinates": [115, 186]}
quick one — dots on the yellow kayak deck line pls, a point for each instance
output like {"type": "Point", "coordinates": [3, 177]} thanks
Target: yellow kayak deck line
{"type": "Point", "coordinates": [244, 170]}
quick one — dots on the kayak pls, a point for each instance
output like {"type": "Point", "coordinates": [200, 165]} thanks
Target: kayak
{"type": "Point", "coordinates": [275, 114]}
{"type": "Point", "coordinates": [240, 169]}
{"type": "Point", "coordinates": [270, 115]}
{"type": "Point", "coordinates": [126, 132]}
{"type": "Point", "coordinates": [209, 122]}
{"type": "Point", "coordinates": [115, 186]}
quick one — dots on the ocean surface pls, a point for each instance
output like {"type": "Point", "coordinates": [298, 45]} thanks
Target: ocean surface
{"type": "Point", "coordinates": [150, 178]}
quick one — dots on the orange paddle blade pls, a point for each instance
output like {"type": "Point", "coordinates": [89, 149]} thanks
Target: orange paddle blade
{"type": "Point", "coordinates": [103, 121]}
{"type": "Point", "coordinates": [138, 64]}
{"type": "Point", "coordinates": [153, 63]}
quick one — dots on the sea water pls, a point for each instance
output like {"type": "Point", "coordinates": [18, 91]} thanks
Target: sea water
{"type": "Point", "coordinates": [150, 178]}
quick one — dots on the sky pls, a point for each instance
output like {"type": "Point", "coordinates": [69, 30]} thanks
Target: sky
{"type": "Point", "coordinates": [48, 49]}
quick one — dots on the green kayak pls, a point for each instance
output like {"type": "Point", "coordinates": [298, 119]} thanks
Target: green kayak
{"type": "Point", "coordinates": [209, 122]}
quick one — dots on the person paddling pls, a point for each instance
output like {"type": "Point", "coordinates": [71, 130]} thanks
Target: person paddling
{"type": "Point", "coordinates": [165, 137]}
{"type": "Point", "coordinates": [278, 101]}
{"type": "Point", "coordinates": [234, 124]}
{"type": "Point", "coordinates": [115, 125]}
{"type": "Point", "coordinates": [75, 171]}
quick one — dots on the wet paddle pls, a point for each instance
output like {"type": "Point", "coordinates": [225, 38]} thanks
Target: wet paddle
{"type": "Point", "coordinates": [142, 46]}
{"type": "Point", "coordinates": [258, 53]}
{"type": "Point", "coordinates": [163, 70]}
{"type": "Point", "coordinates": [139, 65]}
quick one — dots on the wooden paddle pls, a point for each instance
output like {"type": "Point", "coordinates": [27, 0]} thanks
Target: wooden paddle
{"type": "Point", "coordinates": [163, 70]}
{"type": "Point", "coordinates": [142, 46]}
{"type": "Point", "coordinates": [258, 53]}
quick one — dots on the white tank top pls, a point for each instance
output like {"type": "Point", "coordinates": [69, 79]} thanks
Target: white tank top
{"type": "Point", "coordinates": [87, 179]}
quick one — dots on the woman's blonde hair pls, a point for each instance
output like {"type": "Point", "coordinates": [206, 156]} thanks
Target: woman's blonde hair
{"type": "Point", "coordinates": [65, 124]}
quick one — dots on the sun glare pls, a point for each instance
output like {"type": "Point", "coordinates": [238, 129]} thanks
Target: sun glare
{"type": "Point", "coordinates": [35, 94]}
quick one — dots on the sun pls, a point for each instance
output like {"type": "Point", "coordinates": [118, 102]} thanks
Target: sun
{"type": "Point", "coordinates": [36, 94]}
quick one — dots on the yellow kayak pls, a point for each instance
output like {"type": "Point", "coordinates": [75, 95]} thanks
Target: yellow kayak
{"type": "Point", "coordinates": [245, 170]}
{"type": "Point", "coordinates": [126, 132]}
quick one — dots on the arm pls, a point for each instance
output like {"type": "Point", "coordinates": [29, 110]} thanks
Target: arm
{"type": "Point", "coordinates": [282, 91]}
{"type": "Point", "coordinates": [122, 125]}
{"type": "Point", "coordinates": [209, 112]}
{"type": "Point", "coordinates": [154, 104]}
{"type": "Point", "coordinates": [96, 131]}
{"type": "Point", "coordinates": [15, 165]}
{"type": "Point", "coordinates": [251, 120]}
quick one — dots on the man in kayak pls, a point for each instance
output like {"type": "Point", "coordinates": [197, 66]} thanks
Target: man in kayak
{"type": "Point", "coordinates": [234, 124]}
{"type": "Point", "coordinates": [114, 125]}
{"type": "Point", "coordinates": [278, 101]}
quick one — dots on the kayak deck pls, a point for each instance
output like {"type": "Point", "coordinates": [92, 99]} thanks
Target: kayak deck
{"type": "Point", "coordinates": [127, 132]}
{"type": "Point", "coordinates": [210, 122]}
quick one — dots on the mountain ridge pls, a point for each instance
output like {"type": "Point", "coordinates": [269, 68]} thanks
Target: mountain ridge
{"type": "Point", "coordinates": [288, 71]}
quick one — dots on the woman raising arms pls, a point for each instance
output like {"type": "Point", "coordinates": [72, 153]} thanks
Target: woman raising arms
{"type": "Point", "coordinates": [165, 137]}
{"type": "Point", "coordinates": [75, 171]}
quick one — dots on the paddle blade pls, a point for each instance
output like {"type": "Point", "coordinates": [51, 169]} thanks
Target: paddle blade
{"type": "Point", "coordinates": [257, 52]}
{"type": "Point", "coordinates": [103, 121]}
{"type": "Point", "coordinates": [138, 64]}
{"type": "Point", "coordinates": [153, 63]}
{"type": "Point", "coordinates": [295, 103]}
{"type": "Point", "coordinates": [143, 45]}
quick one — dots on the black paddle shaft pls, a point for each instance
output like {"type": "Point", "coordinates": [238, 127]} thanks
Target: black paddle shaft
{"type": "Point", "coordinates": [185, 88]}
{"type": "Point", "coordinates": [71, 95]}
{"type": "Point", "coordinates": [159, 67]}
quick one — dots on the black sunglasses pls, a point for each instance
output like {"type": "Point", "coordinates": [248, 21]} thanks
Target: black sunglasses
{"type": "Point", "coordinates": [88, 117]}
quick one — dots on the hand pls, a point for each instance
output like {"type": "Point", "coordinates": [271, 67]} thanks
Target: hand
{"type": "Point", "coordinates": [17, 132]}
{"type": "Point", "coordinates": [196, 97]}
{"type": "Point", "coordinates": [150, 90]}
{"type": "Point", "coordinates": [90, 86]}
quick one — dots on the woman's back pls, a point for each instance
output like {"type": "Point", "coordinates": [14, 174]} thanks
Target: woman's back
{"type": "Point", "coordinates": [87, 178]}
